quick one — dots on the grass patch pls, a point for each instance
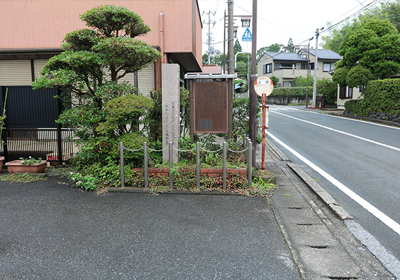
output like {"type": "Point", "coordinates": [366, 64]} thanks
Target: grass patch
{"type": "Point", "coordinates": [21, 178]}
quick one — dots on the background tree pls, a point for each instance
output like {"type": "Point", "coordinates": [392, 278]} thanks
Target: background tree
{"type": "Point", "coordinates": [370, 51]}
{"type": "Point", "coordinates": [388, 10]}
{"type": "Point", "coordinates": [289, 47]}
{"type": "Point", "coordinates": [271, 48]}
{"type": "Point", "coordinates": [216, 58]}
{"type": "Point", "coordinates": [275, 80]}
{"type": "Point", "coordinates": [237, 47]}
{"type": "Point", "coordinates": [89, 71]}
{"type": "Point", "coordinates": [302, 81]}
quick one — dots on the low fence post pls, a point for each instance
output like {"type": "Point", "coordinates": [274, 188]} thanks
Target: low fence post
{"type": "Point", "coordinates": [198, 165]}
{"type": "Point", "coordinates": [171, 184]}
{"type": "Point", "coordinates": [146, 173]}
{"type": "Point", "coordinates": [121, 155]}
{"type": "Point", "coordinates": [244, 146]}
{"type": "Point", "coordinates": [224, 165]}
{"type": "Point", "coordinates": [249, 165]}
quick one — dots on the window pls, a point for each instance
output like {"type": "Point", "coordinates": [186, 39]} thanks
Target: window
{"type": "Point", "coordinates": [267, 68]}
{"type": "Point", "coordinates": [311, 66]}
{"type": "Point", "coordinates": [346, 93]}
{"type": "Point", "coordinates": [362, 88]}
{"type": "Point", "coordinates": [303, 66]}
{"type": "Point", "coordinates": [328, 66]}
{"type": "Point", "coordinates": [287, 83]}
{"type": "Point", "coordinates": [234, 34]}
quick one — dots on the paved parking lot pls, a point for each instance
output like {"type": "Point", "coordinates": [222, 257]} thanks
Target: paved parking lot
{"type": "Point", "coordinates": [50, 231]}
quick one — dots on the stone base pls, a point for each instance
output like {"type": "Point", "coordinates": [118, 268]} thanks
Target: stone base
{"type": "Point", "coordinates": [266, 175]}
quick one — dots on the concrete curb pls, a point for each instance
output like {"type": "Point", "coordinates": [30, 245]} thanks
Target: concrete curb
{"type": "Point", "coordinates": [276, 150]}
{"type": "Point", "coordinates": [324, 195]}
{"type": "Point", "coordinates": [173, 191]}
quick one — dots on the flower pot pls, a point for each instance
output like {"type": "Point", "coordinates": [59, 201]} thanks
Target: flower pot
{"type": "Point", "coordinates": [1, 162]}
{"type": "Point", "coordinates": [15, 166]}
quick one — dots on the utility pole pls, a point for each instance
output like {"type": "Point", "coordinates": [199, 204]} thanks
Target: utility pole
{"type": "Point", "coordinates": [253, 96]}
{"type": "Point", "coordinates": [209, 13]}
{"type": "Point", "coordinates": [308, 68]}
{"type": "Point", "coordinates": [230, 37]}
{"type": "Point", "coordinates": [223, 69]}
{"type": "Point", "coordinates": [315, 69]}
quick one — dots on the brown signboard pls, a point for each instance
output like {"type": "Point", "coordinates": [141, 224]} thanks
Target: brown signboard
{"type": "Point", "coordinates": [210, 107]}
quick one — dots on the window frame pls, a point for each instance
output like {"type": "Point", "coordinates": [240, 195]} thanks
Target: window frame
{"type": "Point", "coordinates": [267, 67]}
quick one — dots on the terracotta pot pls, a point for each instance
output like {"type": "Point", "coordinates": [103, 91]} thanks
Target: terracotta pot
{"type": "Point", "coordinates": [1, 162]}
{"type": "Point", "coordinates": [15, 166]}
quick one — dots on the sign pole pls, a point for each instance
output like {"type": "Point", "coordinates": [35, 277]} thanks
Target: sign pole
{"type": "Point", "coordinates": [264, 87]}
{"type": "Point", "coordinates": [263, 127]}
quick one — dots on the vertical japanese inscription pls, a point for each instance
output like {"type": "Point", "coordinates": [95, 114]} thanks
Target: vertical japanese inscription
{"type": "Point", "coordinates": [210, 107]}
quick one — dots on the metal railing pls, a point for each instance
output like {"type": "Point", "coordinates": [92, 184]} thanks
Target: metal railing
{"type": "Point", "coordinates": [47, 144]}
{"type": "Point", "coordinates": [248, 154]}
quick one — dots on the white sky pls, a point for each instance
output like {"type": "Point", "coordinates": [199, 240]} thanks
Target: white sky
{"type": "Point", "coordinates": [279, 20]}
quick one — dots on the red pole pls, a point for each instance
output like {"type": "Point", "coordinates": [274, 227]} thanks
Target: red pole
{"type": "Point", "coordinates": [263, 127]}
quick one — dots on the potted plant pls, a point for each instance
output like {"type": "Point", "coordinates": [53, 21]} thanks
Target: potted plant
{"type": "Point", "coordinates": [29, 165]}
{"type": "Point", "coordinates": [2, 118]}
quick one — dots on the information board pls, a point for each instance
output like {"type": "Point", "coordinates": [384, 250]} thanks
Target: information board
{"type": "Point", "coordinates": [210, 107]}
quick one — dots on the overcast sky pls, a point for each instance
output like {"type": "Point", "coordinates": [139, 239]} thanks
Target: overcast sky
{"type": "Point", "coordinates": [279, 20]}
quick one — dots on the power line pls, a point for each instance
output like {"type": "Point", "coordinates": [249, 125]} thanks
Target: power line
{"type": "Point", "coordinates": [347, 18]}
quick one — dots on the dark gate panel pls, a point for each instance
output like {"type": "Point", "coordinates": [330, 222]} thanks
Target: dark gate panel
{"type": "Point", "coordinates": [28, 108]}
{"type": "Point", "coordinates": [31, 127]}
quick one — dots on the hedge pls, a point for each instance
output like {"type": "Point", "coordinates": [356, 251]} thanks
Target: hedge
{"type": "Point", "coordinates": [381, 96]}
{"type": "Point", "coordinates": [291, 91]}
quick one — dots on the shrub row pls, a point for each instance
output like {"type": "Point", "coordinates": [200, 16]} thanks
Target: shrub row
{"type": "Point", "coordinates": [381, 100]}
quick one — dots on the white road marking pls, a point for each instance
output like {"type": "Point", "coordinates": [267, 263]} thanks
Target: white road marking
{"type": "Point", "coordinates": [365, 204]}
{"type": "Point", "coordinates": [388, 260]}
{"type": "Point", "coordinates": [342, 132]}
{"type": "Point", "coordinates": [361, 121]}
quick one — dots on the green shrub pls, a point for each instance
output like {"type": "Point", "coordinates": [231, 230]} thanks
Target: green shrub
{"type": "Point", "coordinates": [291, 91]}
{"type": "Point", "coordinates": [381, 96]}
{"type": "Point", "coordinates": [328, 89]}
{"type": "Point", "coordinates": [352, 107]}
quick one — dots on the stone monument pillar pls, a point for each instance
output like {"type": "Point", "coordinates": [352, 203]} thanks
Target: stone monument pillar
{"type": "Point", "coordinates": [170, 109]}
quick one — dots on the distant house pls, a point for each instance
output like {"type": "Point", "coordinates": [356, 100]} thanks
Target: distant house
{"type": "Point", "coordinates": [287, 66]}
{"type": "Point", "coordinates": [32, 33]}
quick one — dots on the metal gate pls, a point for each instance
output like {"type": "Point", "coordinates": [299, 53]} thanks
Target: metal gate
{"type": "Point", "coordinates": [31, 129]}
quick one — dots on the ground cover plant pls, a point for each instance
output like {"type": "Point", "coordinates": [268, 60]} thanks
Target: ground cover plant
{"type": "Point", "coordinates": [21, 178]}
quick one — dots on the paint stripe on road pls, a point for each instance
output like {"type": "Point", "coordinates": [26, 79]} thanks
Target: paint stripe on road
{"type": "Point", "coordinates": [365, 204]}
{"type": "Point", "coordinates": [342, 132]}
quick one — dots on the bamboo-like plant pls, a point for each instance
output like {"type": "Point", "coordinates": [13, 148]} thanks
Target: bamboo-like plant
{"type": "Point", "coordinates": [2, 118]}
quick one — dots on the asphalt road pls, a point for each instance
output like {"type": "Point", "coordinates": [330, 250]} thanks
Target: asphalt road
{"type": "Point", "coordinates": [50, 231]}
{"type": "Point", "coordinates": [361, 156]}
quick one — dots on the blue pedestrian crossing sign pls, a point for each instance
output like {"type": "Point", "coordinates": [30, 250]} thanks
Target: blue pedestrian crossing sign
{"type": "Point", "coordinates": [247, 35]}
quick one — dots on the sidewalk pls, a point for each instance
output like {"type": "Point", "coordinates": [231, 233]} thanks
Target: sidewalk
{"type": "Point", "coordinates": [312, 224]}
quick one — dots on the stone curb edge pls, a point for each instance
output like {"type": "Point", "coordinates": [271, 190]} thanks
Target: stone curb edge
{"type": "Point", "coordinates": [276, 150]}
{"type": "Point", "coordinates": [322, 194]}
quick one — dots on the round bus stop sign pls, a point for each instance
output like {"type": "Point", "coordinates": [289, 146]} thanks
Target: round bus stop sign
{"type": "Point", "coordinates": [262, 85]}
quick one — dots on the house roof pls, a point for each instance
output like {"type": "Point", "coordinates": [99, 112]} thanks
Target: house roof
{"type": "Point", "coordinates": [322, 54]}
{"type": "Point", "coordinates": [326, 54]}
{"type": "Point", "coordinates": [285, 56]}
